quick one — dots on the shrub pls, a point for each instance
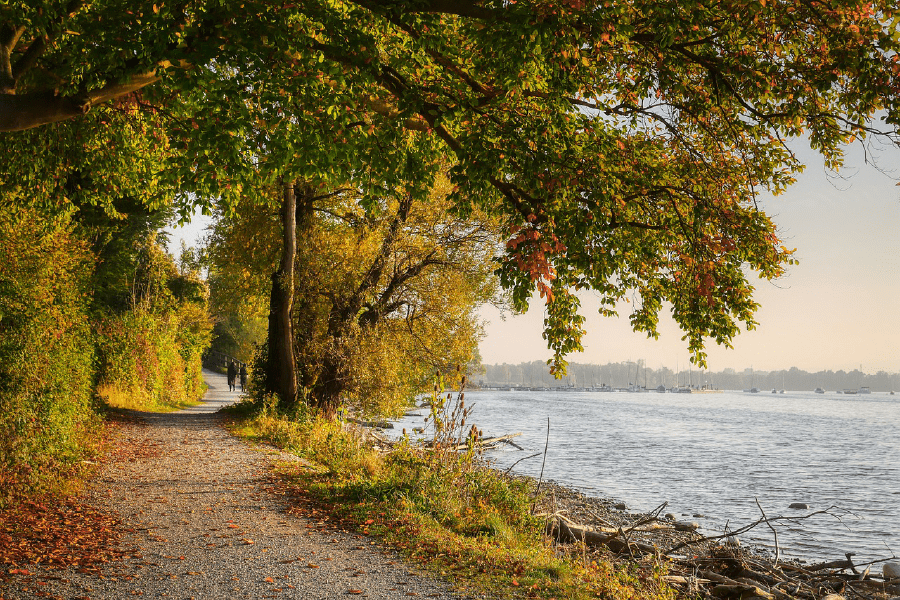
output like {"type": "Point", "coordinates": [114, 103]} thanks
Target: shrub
{"type": "Point", "coordinates": [47, 422]}
{"type": "Point", "coordinates": [150, 355]}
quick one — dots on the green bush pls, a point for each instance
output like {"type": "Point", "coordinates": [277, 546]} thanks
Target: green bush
{"type": "Point", "coordinates": [60, 346]}
{"type": "Point", "coordinates": [150, 356]}
{"type": "Point", "coordinates": [47, 422]}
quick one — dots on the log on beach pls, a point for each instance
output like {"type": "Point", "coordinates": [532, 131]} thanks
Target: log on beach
{"type": "Point", "coordinates": [571, 533]}
{"type": "Point", "coordinates": [493, 442]}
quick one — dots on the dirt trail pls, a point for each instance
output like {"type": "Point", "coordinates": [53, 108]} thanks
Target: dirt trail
{"type": "Point", "coordinates": [209, 522]}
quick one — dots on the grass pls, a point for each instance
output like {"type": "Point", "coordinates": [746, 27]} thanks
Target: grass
{"type": "Point", "coordinates": [140, 400]}
{"type": "Point", "coordinates": [444, 511]}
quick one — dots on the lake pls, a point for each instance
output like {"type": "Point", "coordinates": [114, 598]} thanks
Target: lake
{"type": "Point", "coordinates": [712, 454]}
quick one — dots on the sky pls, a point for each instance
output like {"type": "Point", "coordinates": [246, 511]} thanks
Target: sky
{"type": "Point", "coordinates": [838, 309]}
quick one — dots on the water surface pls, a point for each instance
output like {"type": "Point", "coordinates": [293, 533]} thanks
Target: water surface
{"type": "Point", "coordinates": [712, 454]}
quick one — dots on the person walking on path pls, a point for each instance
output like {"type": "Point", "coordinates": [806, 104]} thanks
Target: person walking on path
{"type": "Point", "coordinates": [243, 378]}
{"type": "Point", "coordinates": [232, 375]}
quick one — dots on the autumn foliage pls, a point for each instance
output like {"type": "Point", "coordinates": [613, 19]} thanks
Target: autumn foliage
{"type": "Point", "coordinates": [47, 419]}
{"type": "Point", "coordinates": [622, 145]}
{"type": "Point", "coordinates": [60, 344]}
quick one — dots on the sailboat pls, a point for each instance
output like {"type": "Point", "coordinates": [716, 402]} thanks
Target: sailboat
{"type": "Point", "coordinates": [752, 389]}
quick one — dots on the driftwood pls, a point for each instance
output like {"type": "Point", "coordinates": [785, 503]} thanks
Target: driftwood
{"type": "Point", "coordinates": [767, 520]}
{"type": "Point", "coordinates": [493, 442]}
{"type": "Point", "coordinates": [739, 590]}
{"type": "Point", "coordinates": [564, 531]}
{"type": "Point", "coordinates": [731, 588]}
{"type": "Point", "coordinates": [728, 572]}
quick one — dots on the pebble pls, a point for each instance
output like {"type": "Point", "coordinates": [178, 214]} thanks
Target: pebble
{"type": "Point", "coordinates": [891, 570]}
{"type": "Point", "coordinates": [800, 505]}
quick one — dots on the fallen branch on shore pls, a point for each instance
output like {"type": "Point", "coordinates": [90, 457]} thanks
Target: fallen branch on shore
{"type": "Point", "coordinates": [768, 520]}
{"type": "Point", "coordinates": [727, 571]}
{"type": "Point", "coordinates": [489, 443]}
{"type": "Point", "coordinates": [565, 531]}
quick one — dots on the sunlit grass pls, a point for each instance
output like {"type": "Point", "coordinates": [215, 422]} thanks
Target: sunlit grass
{"type": "Point", "coordinates": [139, 400]}
{"type": "Point", "coordinates": [449, 514]}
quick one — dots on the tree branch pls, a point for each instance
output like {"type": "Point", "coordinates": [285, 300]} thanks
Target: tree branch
{"type": "Point", "coordinates": [25, 111]}
{"type": "Point", "coordinates": [459, 8]}
{"type": "Point", "coordinates": [40, 43]}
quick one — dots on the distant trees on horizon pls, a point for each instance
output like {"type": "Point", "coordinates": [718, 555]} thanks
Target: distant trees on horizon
{"type": "Point", "coordinates": [621, 374]}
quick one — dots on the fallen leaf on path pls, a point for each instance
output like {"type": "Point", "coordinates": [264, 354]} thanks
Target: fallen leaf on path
{"type": "Point", "coordinates": [61, 531]}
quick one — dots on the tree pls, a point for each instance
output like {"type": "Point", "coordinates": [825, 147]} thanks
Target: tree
{"type": "Point", "coordinates": [384, 295]}
{"type": "Point", "coordinates": [281, 368]}
{"type": "Point", "coordinates": [623, 144]}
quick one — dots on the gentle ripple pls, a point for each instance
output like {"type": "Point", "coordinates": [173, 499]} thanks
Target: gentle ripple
{"type": "Point", "coordinates": [714, 453]}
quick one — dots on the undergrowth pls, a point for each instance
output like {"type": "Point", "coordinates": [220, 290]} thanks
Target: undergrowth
{"type": "Point", "coordinates": [139, 399]}
{"type": "Point", "coordinates": [440, 506]}
{"type": "Point", "coordinates": [74, 335]}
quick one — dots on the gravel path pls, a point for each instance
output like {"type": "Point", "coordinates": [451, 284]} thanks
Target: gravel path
{"type": "Point", "coordinates": [209, 522]}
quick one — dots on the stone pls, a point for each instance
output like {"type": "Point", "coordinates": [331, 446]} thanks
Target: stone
{"type": "Point", "coordinates": [671, 517]}
{"type": "Point", "coordinates": [699, 516]}
{"type": "Point", "coordinates": [686, 526]}
{"type": "Point", "coordinates": [620, 506]}
{"type": "Point", "coordinates": [891, 570]}
{"type": "Point", "coordinates": [833, 597]}
{"type": "Point", "coordinates": [800, 505]}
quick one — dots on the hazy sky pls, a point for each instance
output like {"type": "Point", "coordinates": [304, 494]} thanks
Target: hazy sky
{"type": "Point", "coordinates": [836, 310]}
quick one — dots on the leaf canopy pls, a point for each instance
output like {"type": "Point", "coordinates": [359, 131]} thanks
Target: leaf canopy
{"type": "Point", "coordinates": [623, 143]}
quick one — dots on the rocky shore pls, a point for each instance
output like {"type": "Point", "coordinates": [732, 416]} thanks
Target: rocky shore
{"type": "Point", "coordinates": [704, 567]}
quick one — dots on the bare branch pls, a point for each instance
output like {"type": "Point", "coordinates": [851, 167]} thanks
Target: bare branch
{"type": "Point", "coordinates": [774, 531]}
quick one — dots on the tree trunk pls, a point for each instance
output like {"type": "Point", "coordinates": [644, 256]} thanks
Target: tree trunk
{"type": "Point", "coordinates": [281, 376]}
{"type": "Point", "coordinates": [326, 395]}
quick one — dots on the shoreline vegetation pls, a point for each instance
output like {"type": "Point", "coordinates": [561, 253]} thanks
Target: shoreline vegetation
{"type": "Point", "coordinates": [509, 536]}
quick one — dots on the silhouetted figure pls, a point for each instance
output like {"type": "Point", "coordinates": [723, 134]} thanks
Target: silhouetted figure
{"type": "Point", "coordinates": [232, 375]}
{"type": "Point", "coordinates": [243, 377]}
